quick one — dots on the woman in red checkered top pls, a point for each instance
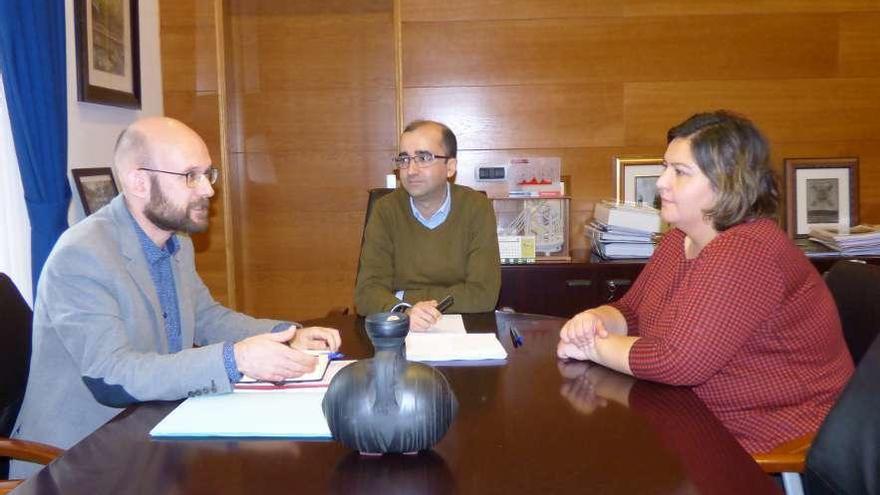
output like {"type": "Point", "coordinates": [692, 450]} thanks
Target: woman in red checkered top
{"type": "Point", "coordinates": [728, 304]}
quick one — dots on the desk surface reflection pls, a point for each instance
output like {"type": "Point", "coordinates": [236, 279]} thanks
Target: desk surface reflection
{"type": "Point", "coordinates": [531, 425]}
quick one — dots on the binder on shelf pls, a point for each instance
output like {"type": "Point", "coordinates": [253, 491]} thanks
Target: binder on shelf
{"type": "Point", "coordinates": [860, 240]}
{"type": "Point", "coordinates": [627, 215]}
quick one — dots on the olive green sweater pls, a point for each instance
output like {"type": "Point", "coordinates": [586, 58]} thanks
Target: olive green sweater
{"type": "Point", "coordinates": [459, 257]}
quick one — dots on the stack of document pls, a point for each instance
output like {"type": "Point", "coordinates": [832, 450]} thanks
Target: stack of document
{"type": "Point", "coordinates": [632, 216]}
{"type": "Point", "coordinates": [453, 347]}
{"type": "Point", "coordinates": [621, 230]}
{"type": "Point", "coordinates": [861, 240]}
{"type": "Point", "coordinates": [612, 242]}
{"type": "Point", "coordinates": [448, 341]}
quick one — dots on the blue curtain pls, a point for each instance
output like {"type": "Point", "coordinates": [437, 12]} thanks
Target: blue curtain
{"type": "Point", "coordinates": [32, 61]}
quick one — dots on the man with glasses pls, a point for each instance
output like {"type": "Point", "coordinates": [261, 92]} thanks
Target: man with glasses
{"type": "Point", "coordinates": [121, 315]}
{"type": "Point", "coordinates": [431, 239]}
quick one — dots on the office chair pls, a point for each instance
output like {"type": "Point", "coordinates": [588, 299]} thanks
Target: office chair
{"type": "Point", "coordinates": [845, 455]}
{"type": "Point", "coordinates": [855, 287]}
{"type": "Point", "coordinates": [856, 290]}
{"type": "Point", "coordinates": [15, 356]}
{"type": "Point", "coordinates": [373, 195]}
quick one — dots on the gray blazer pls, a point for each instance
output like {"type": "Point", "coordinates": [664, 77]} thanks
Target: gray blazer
{"type": "Point", "coordinates": [99, 337]}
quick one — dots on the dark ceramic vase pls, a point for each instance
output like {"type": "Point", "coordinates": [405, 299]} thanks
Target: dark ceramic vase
{"type": "Point", "coordinates": [387, 404]}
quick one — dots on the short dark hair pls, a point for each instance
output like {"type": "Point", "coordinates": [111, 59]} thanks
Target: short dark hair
{"type": "Point", "coordinates": [735, 156]}
{"type": "Point", "coordinates": [450, 144]}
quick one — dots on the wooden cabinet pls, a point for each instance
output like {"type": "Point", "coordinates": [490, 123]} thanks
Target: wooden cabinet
{"type": "Point", "coordinates": [564, 289]}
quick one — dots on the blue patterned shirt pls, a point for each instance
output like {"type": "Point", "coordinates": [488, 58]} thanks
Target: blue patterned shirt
{"type": "Point", "coordinates": [159, 265]}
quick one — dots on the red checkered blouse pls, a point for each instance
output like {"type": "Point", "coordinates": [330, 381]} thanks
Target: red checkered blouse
{"type": "Point", "coordinates": [749, 324]}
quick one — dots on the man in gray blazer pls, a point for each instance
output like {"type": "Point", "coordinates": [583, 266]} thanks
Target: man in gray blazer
{"type": "Point", "coordinates": [120, 306]}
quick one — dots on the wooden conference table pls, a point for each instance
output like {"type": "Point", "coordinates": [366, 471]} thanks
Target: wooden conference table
{"type": "Point", "coordinates": [531, 425]}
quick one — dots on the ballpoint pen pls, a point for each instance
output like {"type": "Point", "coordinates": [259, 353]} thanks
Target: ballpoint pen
{"type": "Point", "coordinates": [444, 303]}
{"type": "Point", "coordinates": [331, 355]}
{"type": "Point", "coordinates": [515, 336]}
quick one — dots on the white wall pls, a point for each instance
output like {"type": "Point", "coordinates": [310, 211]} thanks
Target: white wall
{"type": "Point", "coordinates": [92, 129]}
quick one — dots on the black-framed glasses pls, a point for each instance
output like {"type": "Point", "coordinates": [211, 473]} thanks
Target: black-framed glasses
{"type": "Point", "coordinates": [422, 159]}
{"type": "Point", "coordinates": [192, 177]}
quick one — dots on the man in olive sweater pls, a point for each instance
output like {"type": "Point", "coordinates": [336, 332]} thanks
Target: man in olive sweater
{"type": "Point", "coordinates": [431, 238]}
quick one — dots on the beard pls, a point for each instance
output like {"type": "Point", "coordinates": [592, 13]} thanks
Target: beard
{"type": "Point", "coordinates": [170, 218]}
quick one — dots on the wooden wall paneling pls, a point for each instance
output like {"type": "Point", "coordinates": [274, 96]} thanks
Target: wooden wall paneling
{"type": "Point", "coordinates": [306, 8]}
{"type": "Point", "coordinates": [335, 118]}
{"type": "Point", "coordinates": [293, 52]}
{"type": "Point", "coordinates": [468, 10]}
{"type": "Point", "coordinates": [300, 264]}
{"type": "Point", "coordinates": [551, 116]}
{"type": "Point", "coordinates": [189, 61]}
{"type": "Point", "coordinates": [312, 110]}
{"type": "Point", "coordinates": [726, 7]}
{"type": "Point", "coordinates": [323, 179]}
{"type": "Point", "coordinates": [199, 110]}
{"type": "Point", "coordinates": [786, 110]}
{"type": "Point", "coordinates": [552, 51]}
{"type": "Point", "coordinates": [189, 78]}
{"type": "Point", "coordinates": [285, 198]}
{"type": "Point", "coordinates": [860, 44]}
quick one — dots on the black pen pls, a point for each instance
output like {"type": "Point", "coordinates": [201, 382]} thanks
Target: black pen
{"type": "Point", "coordinates": [444, 303]}
{"type": "Point", "coordinates": [515, 336]}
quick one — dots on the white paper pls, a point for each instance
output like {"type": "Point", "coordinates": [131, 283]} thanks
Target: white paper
{"type": "Point", "coordinates": [448, 324]}
{"type": "Point", "coordinates": [292, 413]}
{"type": "Point", "coordinates": [453, 347]}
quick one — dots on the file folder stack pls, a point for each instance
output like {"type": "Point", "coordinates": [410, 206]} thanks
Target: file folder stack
{"type": "Point", "coordinates": [623, 230]}
{"type": "Point", "coordinates": [861, 240]}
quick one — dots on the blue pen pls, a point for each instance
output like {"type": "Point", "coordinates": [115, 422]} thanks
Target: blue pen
{"type": "Point", "coordinates": [515, 336]}
{"type": "Point", "coordinates": [331, 355]}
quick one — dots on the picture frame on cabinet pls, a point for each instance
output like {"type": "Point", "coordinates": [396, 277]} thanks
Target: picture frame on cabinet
{"type": "Point", "coordinates": [635, 179]}
{"type": "Point", "coordinates": [820, 192]}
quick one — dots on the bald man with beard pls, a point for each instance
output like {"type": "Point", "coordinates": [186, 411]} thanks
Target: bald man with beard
{"type": "Point", "coordinates": [121, 315]}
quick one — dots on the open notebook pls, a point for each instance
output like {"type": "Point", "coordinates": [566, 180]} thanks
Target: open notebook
{"type": "Point", "coordinates": [315, 377]}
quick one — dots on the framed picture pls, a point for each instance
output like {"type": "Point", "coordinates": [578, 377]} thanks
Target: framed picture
{"type": "Point", "coordinates": [820, 192]}
{"type": "Point", "coordinates": [636, 179]}
{"type": "Point", "coordinates": [95, 186]}
{"type": "Point", "coordinates": [108, 52]}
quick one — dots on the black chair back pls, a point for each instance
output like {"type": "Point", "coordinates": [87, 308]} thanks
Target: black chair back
{"type": "Point", "coordinates": [374, 195]}
{"type": "Point", "coordinates": [856, 290]}
{"type": "Point", "coordinates": [15, 356]}
{"type": "Point", "coordinates": [844, 458]}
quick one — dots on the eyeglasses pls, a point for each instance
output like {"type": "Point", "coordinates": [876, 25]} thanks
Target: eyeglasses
{"type": "Point", "coordinates": [422, 159]}
{"type": "Point", "coordinates": [192, 177]}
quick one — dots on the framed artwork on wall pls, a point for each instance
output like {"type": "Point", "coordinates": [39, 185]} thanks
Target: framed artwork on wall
{"type": "Point", "coordinates": [95, 186]}
{"type": "Point", "coordinates": [108, 52]}
{"type": "Point", "coordinates": [635, 179]}
{"type": "Point", "coordinates": [821, 192]}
